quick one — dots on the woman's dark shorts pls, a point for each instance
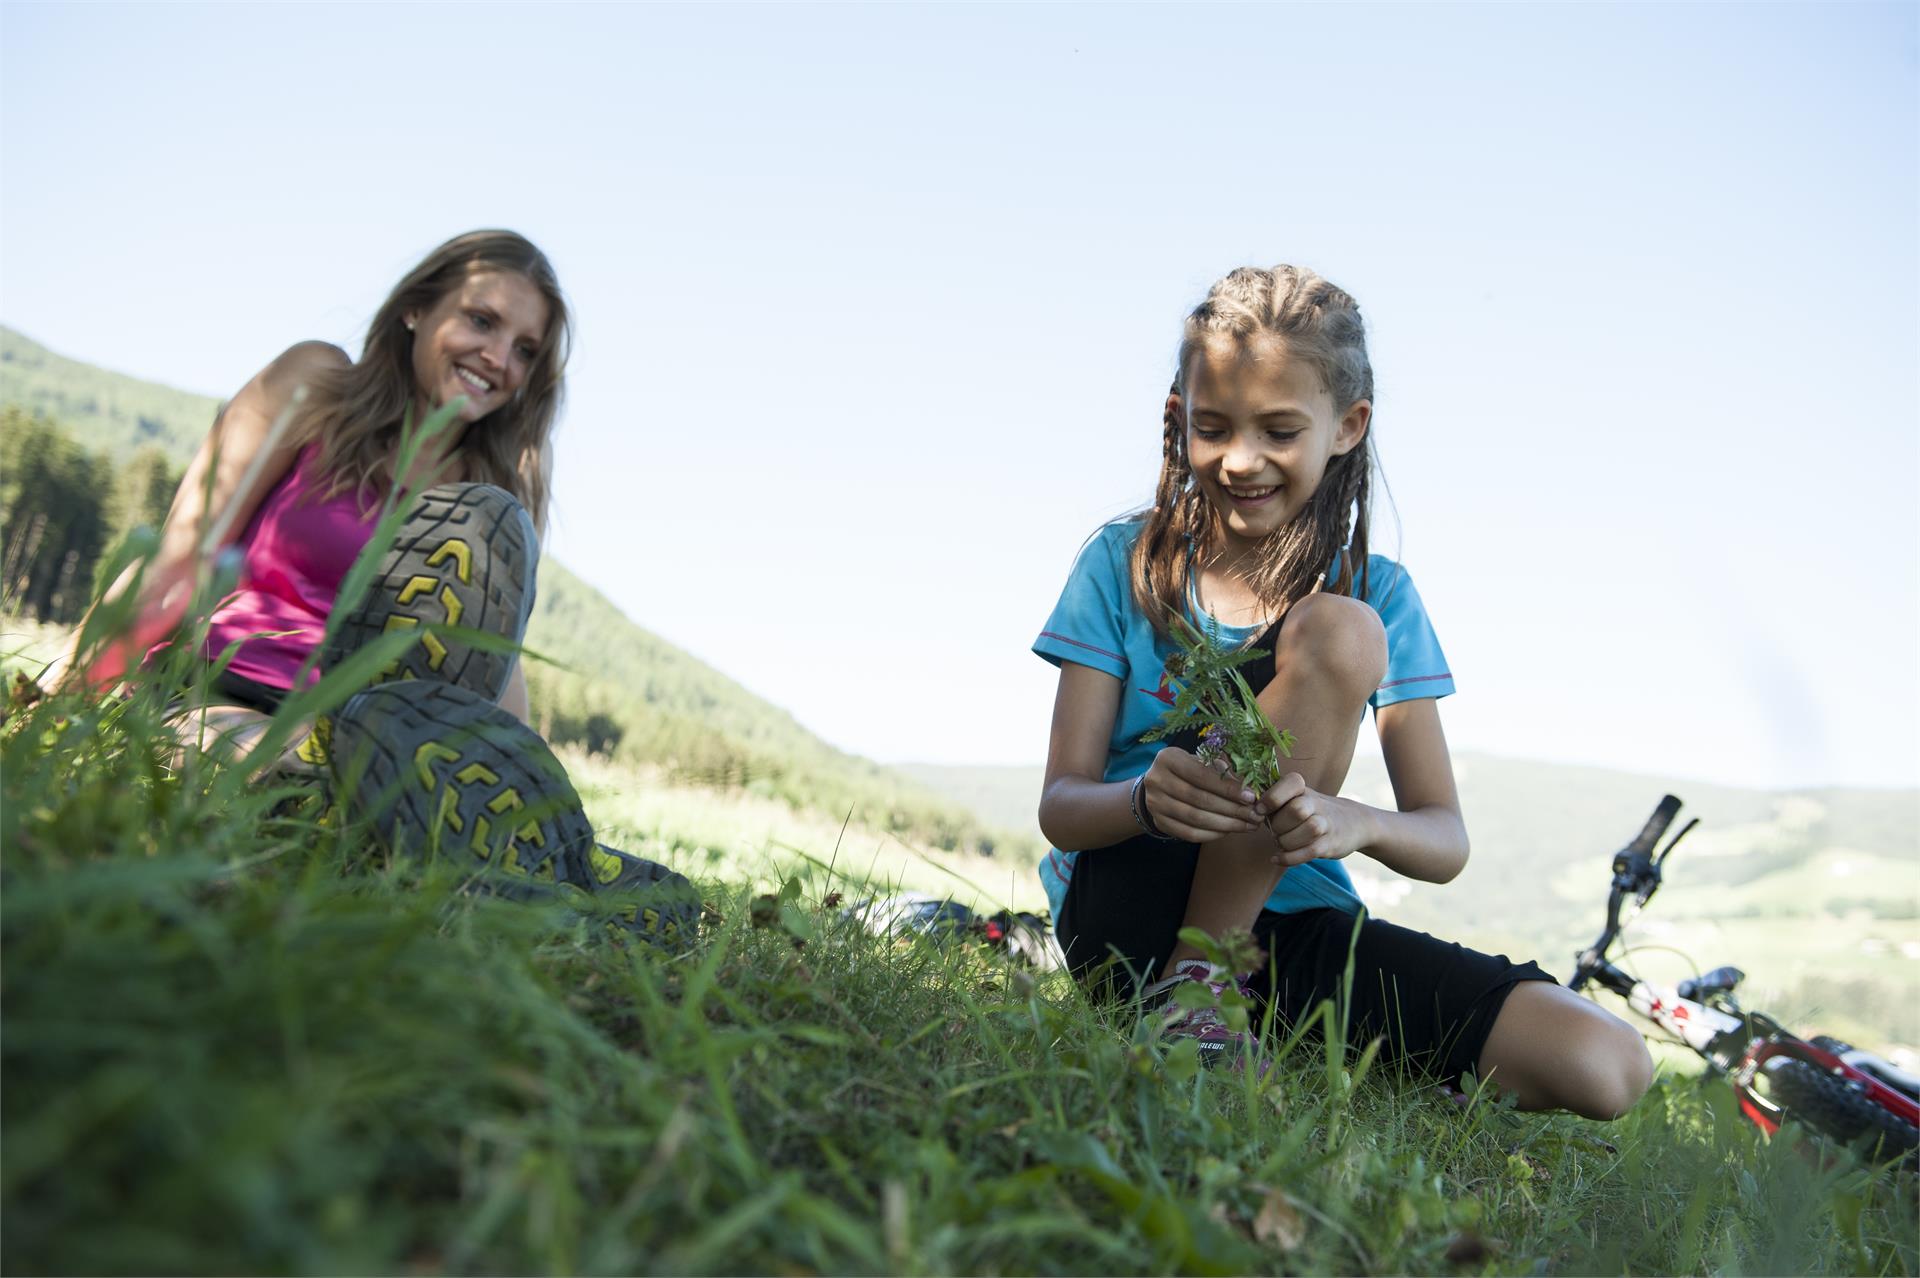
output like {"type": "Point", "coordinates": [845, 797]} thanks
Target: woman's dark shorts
{"type": "Point", "coordinates": [229, 689]}
{"type": "Point", "coordinates": [240, 691]}
{"type": "Point", "coordinates": [1433, 1001]}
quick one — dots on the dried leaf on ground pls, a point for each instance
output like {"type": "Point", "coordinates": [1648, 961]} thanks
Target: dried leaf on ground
{"type": "Point", "coordinates": [1279, 1223]}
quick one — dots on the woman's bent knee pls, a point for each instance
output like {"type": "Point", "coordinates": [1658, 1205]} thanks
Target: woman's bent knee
{"type": "Point", "coordinates": [1341, 639]}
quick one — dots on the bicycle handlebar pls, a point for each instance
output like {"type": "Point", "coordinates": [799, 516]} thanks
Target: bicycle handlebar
{"type": "Point", "coordinates": [1633, 871]}
{"type": "Point", "coordinates": [1663, 815]}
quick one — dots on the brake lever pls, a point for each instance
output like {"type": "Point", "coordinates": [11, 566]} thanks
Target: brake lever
{"type": "Point", "coordinates": [1659, 862]}
{"type": "Point", "coordinates": [1636, 874]}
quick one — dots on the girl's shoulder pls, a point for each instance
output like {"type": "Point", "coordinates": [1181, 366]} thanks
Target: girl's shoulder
{"type": "Point", "coordinates": [1377, 584]}
{"type": "Point", "coordinates": [1385, 585]}
{"type": "Point", "coordinates": [1108, 549]}
{"type": "Point", "coordinates": [1117, 537]}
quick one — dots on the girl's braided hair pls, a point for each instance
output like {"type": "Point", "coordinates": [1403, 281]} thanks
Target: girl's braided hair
{"type": "Point", "coordinates": [1320, 324]}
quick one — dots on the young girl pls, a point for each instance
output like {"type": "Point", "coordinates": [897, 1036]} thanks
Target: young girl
{"type": "Point", "coordinates": [1260, 521]}
{"type": "Point", "coordinates": [297, 465]}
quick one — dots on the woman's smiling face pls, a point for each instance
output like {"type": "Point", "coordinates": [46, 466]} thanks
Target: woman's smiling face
{"type": "Point", "coordinates": [1261, 427]}
{"type": "Point", "coordinates": [479, 340]}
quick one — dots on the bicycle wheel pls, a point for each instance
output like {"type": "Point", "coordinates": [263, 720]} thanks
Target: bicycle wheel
{"type": "Point", "coordinates": [1825, 1103]}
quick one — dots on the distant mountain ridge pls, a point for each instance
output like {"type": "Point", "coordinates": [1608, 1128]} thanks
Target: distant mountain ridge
{"type": "Point", "coordinates": [656, 704]}
{"type": "Point", "coordinates": [1516, 807]}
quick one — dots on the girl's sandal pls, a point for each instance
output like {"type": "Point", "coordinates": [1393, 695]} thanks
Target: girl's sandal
{"type": "Point", "coordinates": [1178, 1010]}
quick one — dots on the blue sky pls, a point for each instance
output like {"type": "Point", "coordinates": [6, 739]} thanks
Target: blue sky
{"type": "Point", "coordinates": [876, 306]}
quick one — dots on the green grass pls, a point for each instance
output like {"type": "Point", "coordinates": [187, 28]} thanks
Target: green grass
{"type": "Point", "coordinates": [743, 838]}
{"type": "Point", "coordinates": [237, 1040]}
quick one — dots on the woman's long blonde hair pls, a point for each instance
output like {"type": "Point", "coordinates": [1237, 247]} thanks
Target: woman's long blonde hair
{"type": "Point", "coordinates": [355, 414]}
{"type": "Point", "coordinates": [1321, 325]}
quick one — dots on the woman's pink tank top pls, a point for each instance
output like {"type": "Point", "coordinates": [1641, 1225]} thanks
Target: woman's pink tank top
{"type": "Point", "coordinates": [297, 551]}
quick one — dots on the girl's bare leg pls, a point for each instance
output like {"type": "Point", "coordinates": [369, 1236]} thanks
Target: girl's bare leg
{"type": "Point", "coordinates": [1555, 1050]}
{"type": "Point", "coordinates": [1331, 657]}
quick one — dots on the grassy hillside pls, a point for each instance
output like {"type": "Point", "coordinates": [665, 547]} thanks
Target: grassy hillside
{"type": "Point", "coordinates": [1816, 894]}
{"type": "Point", "coordinates": [666, 708]}
{"type": "Point", "coordinates": [678, 714]}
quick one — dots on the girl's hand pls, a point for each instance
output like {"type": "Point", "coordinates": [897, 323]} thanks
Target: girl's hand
{"type": "Point", "coordinates": [1310, 826]}
{"type": "Point", "coordinates": [1190, 800]}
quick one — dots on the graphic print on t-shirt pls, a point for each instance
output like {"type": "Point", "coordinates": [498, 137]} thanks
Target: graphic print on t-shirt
{"type": "Point", "coordinates": [1164, 693]}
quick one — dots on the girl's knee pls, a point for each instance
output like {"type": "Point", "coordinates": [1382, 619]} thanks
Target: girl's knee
{"type": "Point", "coordinates": [1613, 1072]}
{"type": "Point", "coordinates": [1340, 639]}
{"type": "Point", "coordinates": [1559, 1051]}
{"type": "Point", "coordinates": [1633, 1066]}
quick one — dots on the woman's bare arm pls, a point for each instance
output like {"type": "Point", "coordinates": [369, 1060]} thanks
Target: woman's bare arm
{"type": "Point", "coordinates": [239, 434]}
{"type": "Point", "coordinates": [223, 487]}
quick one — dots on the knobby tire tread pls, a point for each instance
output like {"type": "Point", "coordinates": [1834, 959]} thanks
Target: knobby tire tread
{"type": "Point", "coordinates": [1827, 1104]}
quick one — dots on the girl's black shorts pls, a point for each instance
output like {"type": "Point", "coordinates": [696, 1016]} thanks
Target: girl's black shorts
{"type": "Point", "coordinates": [1433, 1001]}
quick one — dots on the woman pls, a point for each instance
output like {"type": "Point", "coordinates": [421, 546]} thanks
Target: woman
{"type": "Point", "coordinates": [302, 460]}
{"type": "Point", "coordinates": [302, 457]}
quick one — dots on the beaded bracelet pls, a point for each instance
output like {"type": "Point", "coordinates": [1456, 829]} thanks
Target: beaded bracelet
{"type": "Point", "coordinates": [1142, 817]}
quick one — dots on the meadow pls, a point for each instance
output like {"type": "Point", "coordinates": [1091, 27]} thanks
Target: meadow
{"type": "Point", "coordinates": [238, 1038]}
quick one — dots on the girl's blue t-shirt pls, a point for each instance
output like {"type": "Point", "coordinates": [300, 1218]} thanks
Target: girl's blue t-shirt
{"type": "Point", "coordinates": [1097, 624]}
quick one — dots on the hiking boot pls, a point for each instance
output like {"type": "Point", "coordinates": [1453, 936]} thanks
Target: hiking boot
{"type": "Point", "coordinates": [438, 769]}
{"type": "Point", "coordinates": [653, 902]}
{"type": "Point", "coordinates": [1189, 1004]}
{"type": "Point", "coordinates": [466, 555]}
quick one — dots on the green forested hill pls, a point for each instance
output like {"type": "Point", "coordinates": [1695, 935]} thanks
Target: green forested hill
{"type": "Point", "coordinates": [108, 412]}
{"type": "Point", "coordinates": [610, 685]}
{"type": "Point", "coordinates": [623, 691]}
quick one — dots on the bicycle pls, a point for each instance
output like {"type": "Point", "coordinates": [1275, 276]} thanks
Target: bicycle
{"type": "Point", "coordinates": [1848, 1094]}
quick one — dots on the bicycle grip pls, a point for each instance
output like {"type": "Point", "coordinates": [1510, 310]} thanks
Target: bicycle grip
{"type": "Point", "coordinates": [1656, 826]}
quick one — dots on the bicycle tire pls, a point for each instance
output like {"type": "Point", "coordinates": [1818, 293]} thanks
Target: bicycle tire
{"type": "Point", "coordinates": [1825, 1103]}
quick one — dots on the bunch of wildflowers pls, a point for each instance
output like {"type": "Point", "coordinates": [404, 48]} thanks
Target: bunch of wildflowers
{"type": "Point", "coordinates": [1209, 692]}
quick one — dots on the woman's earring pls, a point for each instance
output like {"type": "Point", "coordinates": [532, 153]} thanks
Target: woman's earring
{"type": "Point", "coordinates": [409, 326]}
